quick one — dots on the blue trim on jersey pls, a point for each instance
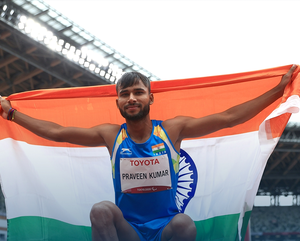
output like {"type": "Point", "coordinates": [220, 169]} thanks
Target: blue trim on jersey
{"type": "Point", "coordinates": [171, 143]}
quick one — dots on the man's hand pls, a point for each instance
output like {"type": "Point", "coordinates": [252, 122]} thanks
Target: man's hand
{"type": "Point", "coordinates": [287, 77]}
{"type": "Point", "coordinates": [4, 107]}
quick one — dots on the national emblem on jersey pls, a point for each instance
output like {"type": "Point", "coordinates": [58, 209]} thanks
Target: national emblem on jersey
{"type": "Point", "coordinates": [159, 149]}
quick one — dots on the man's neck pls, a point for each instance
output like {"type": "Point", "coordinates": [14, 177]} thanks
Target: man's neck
{"type": "Point", "coordinates": [140, 130]}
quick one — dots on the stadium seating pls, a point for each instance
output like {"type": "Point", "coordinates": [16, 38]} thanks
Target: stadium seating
{"type": "Point", "coordinates": [280, 223]}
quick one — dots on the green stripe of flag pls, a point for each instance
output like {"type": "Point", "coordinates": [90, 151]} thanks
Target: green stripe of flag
{"type": "Point", "coordinates": [159, 150]}
{"type": "Point", "coordinates": [245, 223]}
{"type": "Point", "coordinates": [45, 229]}
{"type": "Point", "coordinates": [221, 228]}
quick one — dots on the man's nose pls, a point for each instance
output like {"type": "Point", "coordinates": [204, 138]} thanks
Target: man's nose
{"type": "Point", "coordinates": [132, 98]}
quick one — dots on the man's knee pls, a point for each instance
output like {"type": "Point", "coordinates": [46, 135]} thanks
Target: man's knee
{"type": "Point", "coordinates": [104, 212]}
{"type": "Point", "coordinates": [183, 226]}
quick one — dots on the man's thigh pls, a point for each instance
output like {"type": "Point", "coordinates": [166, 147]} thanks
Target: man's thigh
{"type": "Point", "coordinates": [126, 232]}
{"type": "Point", "coordinates": [181, 227]}
{"type": "Point", "coordinates": [109, 220]}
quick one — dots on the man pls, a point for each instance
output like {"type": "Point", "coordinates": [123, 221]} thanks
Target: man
{"type": "Point", "coordinates": [130, 217]}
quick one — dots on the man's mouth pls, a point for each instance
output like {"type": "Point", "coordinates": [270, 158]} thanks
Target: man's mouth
{"type": "Point", "coordinates": [132, 107]}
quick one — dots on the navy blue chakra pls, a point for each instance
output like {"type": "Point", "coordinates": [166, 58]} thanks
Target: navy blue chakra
{"type": "Point", "coordinates": [187, 181]}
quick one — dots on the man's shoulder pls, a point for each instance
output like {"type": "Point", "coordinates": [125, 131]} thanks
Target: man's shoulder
{"type": "Point", "coordinates": [108, 128]}
{"type": "Point", "coordinates": [176, 124]}
{"type": "Point", "coordinates": [108, 132]}
{"type": "Point", "coordinates": [176, 120]}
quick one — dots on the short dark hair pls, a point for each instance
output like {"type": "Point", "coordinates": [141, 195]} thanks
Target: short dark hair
{"type": "Point", "coordinates": [131, 78]}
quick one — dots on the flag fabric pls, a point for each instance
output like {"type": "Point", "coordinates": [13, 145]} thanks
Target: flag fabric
{"type": "Point", "coordinates": [50, 187]}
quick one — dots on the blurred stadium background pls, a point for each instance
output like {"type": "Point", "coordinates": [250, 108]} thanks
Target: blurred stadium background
{"type": "Point", "coordinates": [40, 48]}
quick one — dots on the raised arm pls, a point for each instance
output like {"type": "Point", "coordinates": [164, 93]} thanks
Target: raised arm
{"type": "Point", "coordinates": [189, 127]}
{"type": "Point", "coordinates": [95, 136]}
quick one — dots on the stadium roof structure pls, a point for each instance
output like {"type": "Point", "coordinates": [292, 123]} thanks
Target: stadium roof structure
{"type": "Point", "coordinates": [40, 48]}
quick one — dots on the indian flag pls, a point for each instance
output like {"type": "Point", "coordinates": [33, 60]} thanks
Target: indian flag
{"type": "Point", "coordinates": [50, 187]}
{"type": "Point", "coordinates": [158, 148]}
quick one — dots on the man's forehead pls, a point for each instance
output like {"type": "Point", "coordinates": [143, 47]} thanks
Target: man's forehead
{"type": "Point", "coordinates": [136, 86]}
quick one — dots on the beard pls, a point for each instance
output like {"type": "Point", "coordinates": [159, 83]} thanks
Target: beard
{"type": "Point", "coordinates": [138, 116]}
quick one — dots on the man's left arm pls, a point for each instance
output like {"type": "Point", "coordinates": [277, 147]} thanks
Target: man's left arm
{"type": "Point", "coordinates": [189, 127]}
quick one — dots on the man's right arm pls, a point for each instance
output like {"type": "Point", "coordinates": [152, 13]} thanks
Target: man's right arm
{"type": "Point", "coordinates": [95, 136]}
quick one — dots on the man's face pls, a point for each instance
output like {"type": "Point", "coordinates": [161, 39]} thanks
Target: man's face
{"type": "Point", "coordinates": [134, 101]}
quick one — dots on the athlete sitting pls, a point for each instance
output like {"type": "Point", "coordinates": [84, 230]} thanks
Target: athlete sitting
{"type": "Point", "coordinates": [145, 159]}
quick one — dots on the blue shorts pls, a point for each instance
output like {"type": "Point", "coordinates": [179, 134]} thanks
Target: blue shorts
{"type": "Point", "coordinates": [151, 231]}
